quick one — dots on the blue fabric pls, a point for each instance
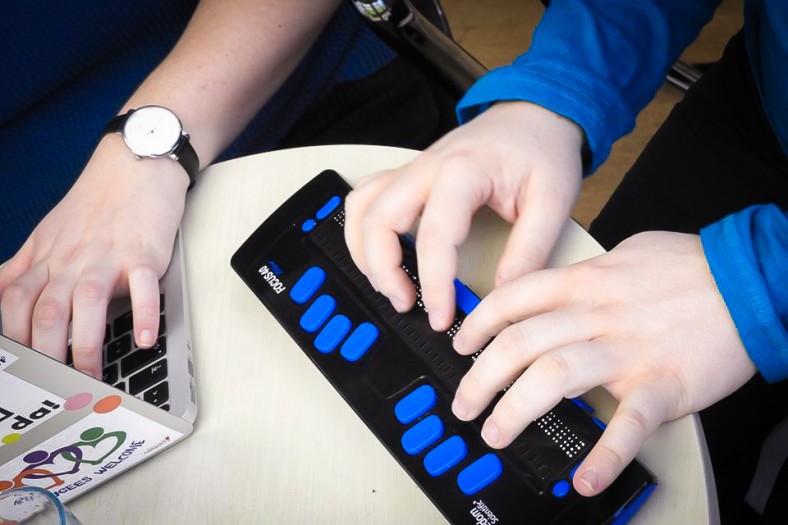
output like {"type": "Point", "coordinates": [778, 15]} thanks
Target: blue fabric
{"type": "Point", "coordinates": [66, 70]}
{"type": "Point", "coordinates": [766, 35]}
{"type": "Point", "coordinates": [748, 256]}
{"type": "Point", "coordinates": [599, 62]}
{"type": "Point", "coordinates": [596, 62]}
{"type": "Point", "coordinates": [68, 67]}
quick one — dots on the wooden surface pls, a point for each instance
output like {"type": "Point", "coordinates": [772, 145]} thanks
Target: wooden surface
{"type": "Point", "coordinates": [274, 442]}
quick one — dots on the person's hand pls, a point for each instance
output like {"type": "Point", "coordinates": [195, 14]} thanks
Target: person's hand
{"type": "Point", "coordinates": [112, 233]}
{"type": "Point", "coordinates": [521, 160]}
{"type": "Point", "coordinates": [645, 321]}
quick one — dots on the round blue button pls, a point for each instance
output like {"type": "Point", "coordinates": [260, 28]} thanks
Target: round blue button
{"type": "Point", "coordinates": [308, 225]}
{"type": "Point", "coordinates": [561, 488]}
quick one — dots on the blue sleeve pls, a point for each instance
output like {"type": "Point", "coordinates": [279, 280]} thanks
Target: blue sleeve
{"type": "Point", "coordinates": [748, 256]}
{"type": "Point", "coordinates": [596, 62]}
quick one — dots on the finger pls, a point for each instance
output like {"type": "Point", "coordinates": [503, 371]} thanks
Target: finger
{"type": "Point", "coordinates": [19, 299]}
{"type": "Point", "coordinates": [51, 316]}
{"type": "Point", "coordinates": [512, 302]}
{"type": "Point", "coordinates": [638, 415]}
{"type": "Point", "coordinates": [445, 223]}
{"type": "Point", "coordinates": [356, 204]}
{"type": "Point", "coordinates": [385, 220]}
{"type": "Point", "coordinates": [91, 296]}
{"type": "Point", "coordinates": [511, 352]}
{"type": "Point", "coordinates": [375, 178]}
{"type": "Point", "coordinates": [535, 232]}
{"type": "Point", "coordinates": [14, 267]}
{"type": "Point", "coordinates": [145, 304]}
{"type": "Point", "coordinates": [565, 372]}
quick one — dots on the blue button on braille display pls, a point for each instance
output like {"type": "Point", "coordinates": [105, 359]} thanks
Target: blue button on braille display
{"type": "Point", "coordinates": [328, 207]}
{"type": "Point", "coordinates": [307, 284]}
{"type": "Point", "coordinates": [445, 456]}
{"type": "Point", "coordinates": [308, 225]}
{"type": "Point", "coordinates": [416, 404]}
{"type": "Point", "coordinates": [422, 434]}
{"type": "Point", "coordinates": [582, 404]}
{"type": "Point", "coordinates": [359, 342]}
{"type": "Point", "coordinates": [561, 488]}
{"type": "Point", "coordinates": [317, 313]}
{"type": "Point", "coordinates": [572, 472]}
{"type": "Point", "coordinates": [466, 300]}
{"type": "Point", "coordinates": [479, 474]}
{"type": "Point", "coordinates": [332, 334]}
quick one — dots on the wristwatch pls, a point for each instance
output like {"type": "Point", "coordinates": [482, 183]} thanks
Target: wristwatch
{"type": "Point", "coordinates": [155, 131]}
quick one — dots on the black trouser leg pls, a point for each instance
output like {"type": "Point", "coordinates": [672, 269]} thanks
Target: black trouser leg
{"type": "Point", "coordinates": [400, 105]}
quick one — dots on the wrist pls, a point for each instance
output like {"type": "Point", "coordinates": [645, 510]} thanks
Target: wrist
{"type": "Point", "coordinates": [564, 128]}
{"type": "Point", "coordinates": [114, 166]}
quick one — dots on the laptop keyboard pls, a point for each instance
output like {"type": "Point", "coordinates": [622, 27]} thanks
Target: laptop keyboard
{"type": "Point", "coordinates": [138, 371]}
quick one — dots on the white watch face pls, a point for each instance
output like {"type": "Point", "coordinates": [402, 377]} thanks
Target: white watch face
{"type": "Point", "coordinates": [152, 131]}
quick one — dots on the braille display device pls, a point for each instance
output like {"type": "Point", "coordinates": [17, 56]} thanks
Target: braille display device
{"type": "Point", "coordinates": [400, 377]}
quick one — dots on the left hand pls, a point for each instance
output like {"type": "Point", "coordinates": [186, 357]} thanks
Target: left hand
{"type": "Point", "coordinates": [517, 158]}
{"type": "Point", "coordinates": [645, 321]}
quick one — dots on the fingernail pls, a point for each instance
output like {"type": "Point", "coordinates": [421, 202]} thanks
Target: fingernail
{"type": "Point", "coordinates": [459, 341]}
{"type": "Point", "coordinates": [146, 338]}
{"type": "Point", "coordinates": [436, 320]}
{"type": "Point", "coordinates": [491, 434]}
{"type": "Point", "coordinates": [459, 408]}
{"type": "Point", "coordinates": [590, 479]}
{"type": "Point", "coordinates": [398, 303]}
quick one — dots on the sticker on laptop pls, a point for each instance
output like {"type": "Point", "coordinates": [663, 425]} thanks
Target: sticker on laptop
{"type": "Point", "coordinates": [108, 440]}
{"type": "Point", "coordinates": [25, 408]}
{"type": "Point", "coordinates": [6, 358]}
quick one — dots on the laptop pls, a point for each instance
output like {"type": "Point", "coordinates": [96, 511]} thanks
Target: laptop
{"type": "Point", "coordinates": [67, 432]}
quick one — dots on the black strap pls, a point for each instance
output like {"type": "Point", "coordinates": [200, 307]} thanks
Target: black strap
{"type": "Point", "coordinates": [115, 125]}
{"type": "Point", "coordinates": [187, 157]}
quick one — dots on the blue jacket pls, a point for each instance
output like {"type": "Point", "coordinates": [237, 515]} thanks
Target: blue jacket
{"type": "Point", "coordinates": [599, 62]}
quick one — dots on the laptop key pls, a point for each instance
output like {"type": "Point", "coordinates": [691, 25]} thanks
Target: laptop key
{"type": "Point", "coordinates": [142, 357]}
{"type": "Point", "coordinates": [118, 348]}
{"type": "Point", "coordinates": [110, 374]}
{"type": "Point", "coordinates": [158, 394]}
{"type": "Point", "coordinates": [122, 324]}
{"type": "Point", "coordinates": [147, 377]}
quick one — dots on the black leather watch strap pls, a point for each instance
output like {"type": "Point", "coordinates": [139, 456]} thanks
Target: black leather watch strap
{"type": "Point", "coordinates": [187, 157]}
{"type": "Point", "coordinates": [115, 125]}
{"type": "Point", "coordinates": [184, 152]}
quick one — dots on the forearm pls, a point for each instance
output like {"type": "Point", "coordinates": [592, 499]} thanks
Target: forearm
{"type": "Point", "coordinates": [596, 62]}
{"type": "Point", "coordinates": [230, 60]}
{"type": "Point", "coordinates": [747, 254]}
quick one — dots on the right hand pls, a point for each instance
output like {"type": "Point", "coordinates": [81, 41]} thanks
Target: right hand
{"type": "Point", "coordinates": [521, 160]}
{"type": "Point", "coordinates": [645, 321]}
{"type": "Point", "coordinates": [111, 234]}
